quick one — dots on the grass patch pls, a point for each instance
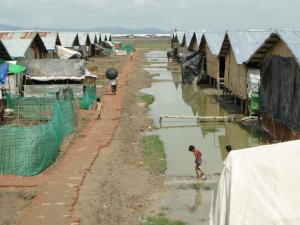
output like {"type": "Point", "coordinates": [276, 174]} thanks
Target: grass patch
{"type": "Point", "coordinates": [162, 220]}
{"type": "Point", "coordinates": [154, 153]}
{"type": "Point", "coordinates": [148, 99]}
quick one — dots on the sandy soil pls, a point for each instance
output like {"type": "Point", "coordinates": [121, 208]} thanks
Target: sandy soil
{"type": "Point", "coordinates": [119, 187]}
{"type": "Point", "coordinates": [13, 201]}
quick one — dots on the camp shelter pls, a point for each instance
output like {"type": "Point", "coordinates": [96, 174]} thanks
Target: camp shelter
{"type": "Point", "coordinates": [237, 48]}
{"type": "Point", "coordinates": [210, 45]}
{"type": "Point", "coordinates": [51, 75]}
{"type": "Point", "coordinates": [196, 40]}
{"type": "Point", "coordinates": [69, 40]}
{"type": "Point", "coordinates": [94, 38]}
{"type": "Point", "coordinates": [108, 37]}
{"type": "Point", "coordinates": [179, 44]}
{"type": "Point", "coordinates": [279, 93]}
{"type": "Point", "coordinates": [23, 46]}
{"type": "Point", "coordinates": [51, 40]}
{"type": "Point", "coordinates": [4, 53]}
{"type": "Point", "coordinates": [102, 37]}
{"type": "Point", "coordinates": [259, 185]}
{"type": "Point", "coordinates": [85, 44]}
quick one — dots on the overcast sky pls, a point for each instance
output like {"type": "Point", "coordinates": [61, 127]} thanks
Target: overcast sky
{"type": "Point", "coordinates": [164, 14]}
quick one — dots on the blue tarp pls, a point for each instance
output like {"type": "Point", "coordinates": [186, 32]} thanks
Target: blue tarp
{"type": "Point", "coordinates": [3, 73]}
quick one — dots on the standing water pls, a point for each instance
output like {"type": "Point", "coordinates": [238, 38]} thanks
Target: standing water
{"type": "Point", "coordinates": [189, 200]}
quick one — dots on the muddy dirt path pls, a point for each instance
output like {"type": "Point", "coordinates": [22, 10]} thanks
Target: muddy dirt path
{"type": "Point", "coordinates": [119, 187]}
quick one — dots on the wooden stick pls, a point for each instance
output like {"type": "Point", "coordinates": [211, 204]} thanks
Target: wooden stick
{"type": "Point", "coordinates": [200, 118]}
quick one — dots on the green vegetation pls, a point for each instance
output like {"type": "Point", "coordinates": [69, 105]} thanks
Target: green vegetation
{"type": "Point", "coordinates": [148, 99]}
{"type": "Point", "coordinates": [162, 220]}
{"type": "Point", "coordinates": [154, 153]}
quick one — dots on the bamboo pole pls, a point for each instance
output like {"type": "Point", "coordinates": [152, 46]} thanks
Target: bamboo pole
{"type": "Point", "coordinates": [200, 118]}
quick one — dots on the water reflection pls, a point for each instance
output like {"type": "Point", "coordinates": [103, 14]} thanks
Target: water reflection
{"type": "Point", "coordinates": [172, 98]}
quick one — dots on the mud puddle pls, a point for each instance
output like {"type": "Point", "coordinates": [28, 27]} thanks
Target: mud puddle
{"type": "Point", "coordinates": [188, 200]}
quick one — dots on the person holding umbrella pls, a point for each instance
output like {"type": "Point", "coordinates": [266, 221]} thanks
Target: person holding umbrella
{"type": "Point", "coordinates": [112, 75]}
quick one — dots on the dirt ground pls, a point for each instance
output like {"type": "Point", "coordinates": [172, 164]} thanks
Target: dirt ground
{"type": "Point", "coordinates": [119, 187]}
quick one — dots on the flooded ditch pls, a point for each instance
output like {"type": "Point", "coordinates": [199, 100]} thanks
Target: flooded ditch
{"type": "Point", "coordinates": [188, 200]}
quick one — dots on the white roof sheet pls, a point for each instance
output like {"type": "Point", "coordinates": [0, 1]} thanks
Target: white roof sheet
{"type": "Point", "coordinates": [180, 36]}
{"type": "Point", "coordinates": [82, 36]}
{"type": "Point", "coordinates": [67, 38]}
{"type": "Point", "coordinates": [102, 35]}
{"type": "Point", "coordinates": [214, 40]}
{"type": "Point", "coordinates": [188, 37]}
{"type": "Point", "coordinates": [245, 43]}
{"type": "Point", "coordinates": [292, 39]}
{"type": "Point", "coordinates": [199, 34]}
{"type": "Point", "coordinates": [49, 39]}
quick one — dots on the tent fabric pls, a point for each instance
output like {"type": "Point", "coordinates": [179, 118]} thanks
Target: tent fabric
{"type": "Point", "coordinates": [14, 69]}
{"type": "Point", "coordinates": [259, 186]}
{"type": "Point", "coordinates": [65, 53]}
{"type": "Point", "coordinates": [3, 73]}
{"type": "Point", "coordinates": [280, 90]}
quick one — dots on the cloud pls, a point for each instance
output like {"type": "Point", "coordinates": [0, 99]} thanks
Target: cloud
{"type": "Point", "coordinates": [166, 14]}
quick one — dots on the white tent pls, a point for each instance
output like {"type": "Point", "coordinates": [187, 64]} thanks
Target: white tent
{"type": "Point", "coordinates": [259, 186]}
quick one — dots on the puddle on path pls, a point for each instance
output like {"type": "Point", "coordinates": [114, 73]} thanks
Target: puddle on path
{"type": "Point", "coordinates": [187, 202]}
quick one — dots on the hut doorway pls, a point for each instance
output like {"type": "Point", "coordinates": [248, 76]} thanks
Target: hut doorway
{"type": "Point", "coordinates": [222, 67]}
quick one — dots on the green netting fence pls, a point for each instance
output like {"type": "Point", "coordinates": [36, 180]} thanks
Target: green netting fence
{"type": "Point", "coordinates": [89, 97]}
{"type": "Point", "coordinates": [30, 141]}
{"type": "Point", "coordinates": [129, 48]}
{"type": "Point", "coordinates": [254, 102]}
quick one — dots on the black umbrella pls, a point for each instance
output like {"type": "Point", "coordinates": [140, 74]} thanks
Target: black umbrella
{"type": "Point", "coordinates": [111, 73]}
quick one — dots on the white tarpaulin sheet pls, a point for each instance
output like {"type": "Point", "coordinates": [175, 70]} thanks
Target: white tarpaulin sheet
{"type": "Point", "coordinates": [253, 81]}
{"type": "Point", "coordinates": [65, 53]}
{"type": "Point", "coordinates": [259, 186]}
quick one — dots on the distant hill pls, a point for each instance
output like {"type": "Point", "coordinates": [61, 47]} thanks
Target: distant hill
{"type": "Point", "coordinates": [113, 30]}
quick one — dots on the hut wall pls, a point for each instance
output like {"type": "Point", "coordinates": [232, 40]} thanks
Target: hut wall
{"type": "Point", "coordinates": [279, 49]}
{"type": "Point", "coordinates": [235, 76]}
{"type": "Point", "coordinates": [212, 62]}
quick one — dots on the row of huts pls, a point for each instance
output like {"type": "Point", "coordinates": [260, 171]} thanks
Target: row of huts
{"type": "Point", "coordinates": [259, 68]}
{"type": "Point", "coordinates": [22, 46]}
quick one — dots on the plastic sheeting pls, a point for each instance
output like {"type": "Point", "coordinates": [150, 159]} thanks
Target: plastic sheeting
{"type": "Point", "coordinates": [259, 186]}
{"type": "Point", "coordinates": [65, 53]}
{"type": "Point", "coordinates": [253, 81]}
{"type": "Point", "coordinates": [191, 67]}
{"type": "Point", "coordinates": [3, 73]}
{"type": "Point", "coordinates": [280, 90]}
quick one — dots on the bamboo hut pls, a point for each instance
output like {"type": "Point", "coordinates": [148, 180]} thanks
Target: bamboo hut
{"type": "Point", "coordinates": [211, 45]}
{"type": "Point", "coordinates": [51, 40]}
{"type": "Point", "coordinates": [85, 44]}
{"type": "Point", "coordinates": [279, 94]}
{"type": "Point", "coordinates": [237, 48]}
{"type": "Point", "coordinates": [188, 39]}
{"type": "Point", "coordinates": [196, 40]}
{"type": "Point", "coordinates": [23, 46]}
{"type": "Point", "coordinates": [179, 44]}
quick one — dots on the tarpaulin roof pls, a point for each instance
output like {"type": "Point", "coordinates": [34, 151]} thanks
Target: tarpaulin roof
{"type": "Point", "coordinates": [49, 39]}
{"type": "Point", "coordinates": [67, 38]}
{"type": "Point", "coordinates": [56, 69]}
{"type": "Point", "coordinates": [245, 43]}
{"type": "Point", "coordinates": [214, 40]}
{"type": "Point", "coordinates": [102, 35]}
{"type": "Point", "coordinates": [14, 69]}
{"type": "Point", "coordinates": [17, 43]}
{"type": "Point", "coordinates": [259, 186]}
{"type": "Point", "coordinates": [188, 37]}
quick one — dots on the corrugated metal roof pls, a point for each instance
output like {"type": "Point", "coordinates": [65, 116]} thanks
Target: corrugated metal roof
{"type": "Point", "coordinates": [82, 36]}
{"type": "Point", "coordinates": [245, 43]}
{"type": "Point", "coordinates": [102, 35]}
{"type": "Point", "coordinates": [188, 37]}
{"type": "Point", "coordinates": [199, 34]}
{"type": "Point", "coordinates": [214, 40]}
{"type": "Point", "coordinates": [49, 39]}
{"type": "Point", "coordinates": [180, 36]}
{"type": "Point", "coordinates": [67, 38]}
{"type": "Point", "coordinates": [292, 39]}
{"type": "Point", "coordinates": [17, 43]}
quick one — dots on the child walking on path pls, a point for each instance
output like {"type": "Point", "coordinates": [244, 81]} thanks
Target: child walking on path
{"type": "Point", "coordinates": [198, 162]}
{"type": "Point", "coordinates": [99, 109]}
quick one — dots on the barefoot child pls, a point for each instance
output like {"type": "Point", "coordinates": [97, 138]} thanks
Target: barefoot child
{"type": "Point", "coordinates": [198, 162]}
{"type": "Point", "coordinates": [99, 109]}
